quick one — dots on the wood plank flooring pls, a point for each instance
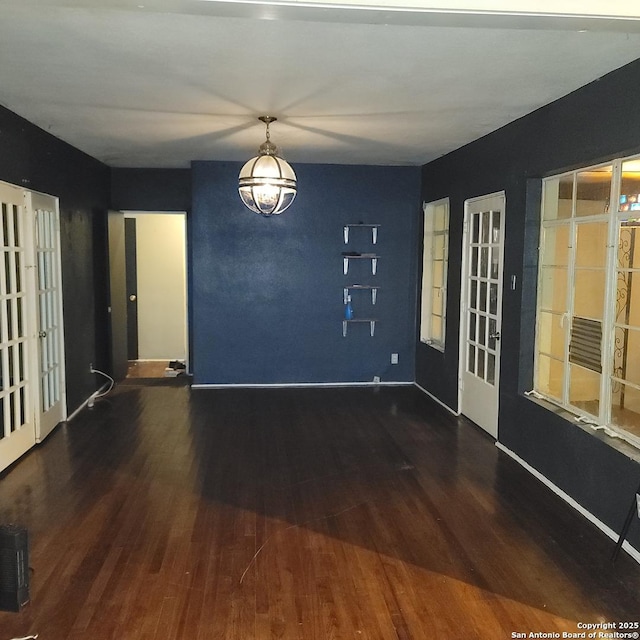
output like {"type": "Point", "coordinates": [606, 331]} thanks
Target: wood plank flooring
{"type": "Point", "coordinates": [311, 514]}
{"type": "Point", "coordinates": [146, 368]}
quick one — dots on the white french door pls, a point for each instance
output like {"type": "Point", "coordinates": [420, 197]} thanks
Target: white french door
{"type": "Point", "coordinates": [17, 427]}
{"type": "Point", "coordinates": [48, 291]}
{"type": "Point", "coordinates": [32, 399]}
{"type": "Point", "coordinates": [481, 310]}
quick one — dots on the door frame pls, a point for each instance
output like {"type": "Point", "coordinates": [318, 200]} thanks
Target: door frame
{"type": "Point", "coordinates": [133, 214]}
{"type": "Point", "coordinates": [464, 280]}
{"type": "Point", "coordinates": [131, 286]}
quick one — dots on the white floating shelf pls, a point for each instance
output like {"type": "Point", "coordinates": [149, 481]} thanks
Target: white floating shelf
{"type": "Point", "coordinates": [361, 256]}
{"type": "Point", "coordinates": [371, 321]}
{"type": "Point", "coordinates": [374, 231]}
{"type": "Point", "coordinates": [352, 287]}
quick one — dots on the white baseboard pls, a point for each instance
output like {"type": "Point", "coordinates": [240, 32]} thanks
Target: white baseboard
{"type": "Point", "coordinates": [632, 551]}
{"type": "Point", "coordinates": [301, 385]}
{"type": "Point", "coordinates": [86, 402]}
{"type": "Point", "coordinates": [442, 404]}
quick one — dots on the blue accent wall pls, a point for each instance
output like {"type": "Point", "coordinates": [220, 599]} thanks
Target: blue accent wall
{"type": "Point", "coordinates": [267, 293]}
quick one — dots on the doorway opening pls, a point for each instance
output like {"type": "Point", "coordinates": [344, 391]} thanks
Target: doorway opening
{"type": "Point", "coordinates": [148, 294]}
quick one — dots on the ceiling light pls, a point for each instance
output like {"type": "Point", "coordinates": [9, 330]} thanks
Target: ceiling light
{"type": "Point", "coordinates": [267, 183]}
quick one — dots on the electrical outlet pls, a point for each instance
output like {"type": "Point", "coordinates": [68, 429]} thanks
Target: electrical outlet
{"type": "Point", "coordinates": [394, 358]}
{"type": "Point", "coordinates": [91, 367]}
{"type": "Point", "coordinates": [376, 379]}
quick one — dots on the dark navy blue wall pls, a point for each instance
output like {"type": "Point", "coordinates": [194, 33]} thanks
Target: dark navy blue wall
{"type": "Point", "coordinates": [266, 298]}
{"type": "Point", "coordinates": [34, 159]}
{"type": "Point", "coordinates": [151, 189]}
{"type": "Point", "coordinates": [597, 122]}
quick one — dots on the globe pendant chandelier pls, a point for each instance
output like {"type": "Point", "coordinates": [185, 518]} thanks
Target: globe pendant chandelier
{"type": "Point", "coordinates": [267, 183]}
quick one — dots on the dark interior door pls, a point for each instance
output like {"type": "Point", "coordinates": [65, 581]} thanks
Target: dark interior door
{"type": "Point", "coordinates": [132, 288]}
{"type": "Point", "coordinates": [117, 295]}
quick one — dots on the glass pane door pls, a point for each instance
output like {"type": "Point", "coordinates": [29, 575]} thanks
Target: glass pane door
{"type": "Point", "coordinates": [17, 433]}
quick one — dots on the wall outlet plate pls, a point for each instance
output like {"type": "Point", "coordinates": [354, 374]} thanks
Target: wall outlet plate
{"type": "Point", "coordinates": [376, 379]}
{"type": "Point", "coordinates": [394, 358]}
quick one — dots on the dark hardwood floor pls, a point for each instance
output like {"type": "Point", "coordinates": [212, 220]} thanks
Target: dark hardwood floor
{"type": "Point", "coordinates": [308, 514]}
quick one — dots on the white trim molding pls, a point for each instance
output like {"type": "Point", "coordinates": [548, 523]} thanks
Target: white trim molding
{"type": "Point", "coordinates": [300, 385]}
{"type": "Point", "coordinates": [632, 551]}
{"type": "Point", "coordinates": [442, 404]}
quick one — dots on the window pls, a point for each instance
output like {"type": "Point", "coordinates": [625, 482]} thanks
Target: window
{"type": "Point", "coordinates": [588, 314]}
{"type": "Point", "coordinates": [434, 272]}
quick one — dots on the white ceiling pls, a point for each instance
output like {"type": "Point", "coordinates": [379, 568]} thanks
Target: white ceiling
{"type": "Point", "coordinates": [158, 83]}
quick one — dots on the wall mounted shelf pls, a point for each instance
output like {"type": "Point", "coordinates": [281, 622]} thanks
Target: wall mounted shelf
{"type": "Point", "coordinates": [368, 287]}
{"type": "Point", "coordinates": [374, 231]}
{"type": "Point", "coordinates": [346, 257]}
{"type": "Point", "coordinates": [371, 321]}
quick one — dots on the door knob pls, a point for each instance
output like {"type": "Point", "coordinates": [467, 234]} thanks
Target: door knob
{"type": "Point", "coordinates": [494, 336]}
{"type": "Point", "coordinates": [42, 334]}
{"type": "Point", "coordinates": [132, 297]}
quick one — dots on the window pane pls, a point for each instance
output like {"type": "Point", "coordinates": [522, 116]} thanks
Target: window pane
{"type": "Point", "coordinates": [630, 187]}
{"type": "Point", "coordinates": [556, 245]}
{"type": "Point", "coordinates": [482, 330]}
{"type": "Point", "coordinates": [557, 198]}
{"type": "Point", "coordinates": [628, 312]}
{"type": "Point", "coordinates": [473, 295]}
{"type": "Point", "coordinates": [484, 262]}
{"type": "Point", "coordinates": [438, 273]}
{"type": "Point", "coordinates": [495, 257]}
{"type": "Point", "coordinates": [628, 247]}
{"type": "Point", "coordinates": [434, 273]}
{"type": "Point", "coordinates": [436, 328]}
{"type": "Point", "coordinates": [551, 336]}
{"type": "Point", "coordinates": [492, 332]}
{"type": "Point", "coordinates": [588, 299]}
{"type": "Point", "coordinates": [495, 227]}
{"type": "Point", "coordinates": [491, 368]}
{"type": "Point", "coordinates": [584, 389]}
{"type": "Point", "coordinates": [591, 245]}
{"type": "Point", "coordinates": [625, 408]}
{"type": "Point", "coordinates": [472, 326]}
{"type": "Point", "coordinates": [549, 377]}
{"type": "Point", "coordinates": [626, 355]}
{"type": "Point", "coordinates": [553, 289]}
{"type": "Point", "coordinates": [436, 302]}
{"type": "Point", "coordinates": [593, 191]}
{"type": "Point", "coordinates": [471, 365]}
{"type": "Point", "coordinates": [627, 281]}
{"type": "Point", "coordinates": [440, 221]}
{"type": "Point", "coordinates": [486, 223]}
{"type": "Point", "coordinates": [480, 369]}
{"type": "Point", "coordinates": [493, 298]}
{"type": "Point", "coordinates": [483, 296]}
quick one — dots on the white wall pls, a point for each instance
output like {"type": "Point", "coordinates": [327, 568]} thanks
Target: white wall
{"type": "Point", "coordinates": [162, 300]}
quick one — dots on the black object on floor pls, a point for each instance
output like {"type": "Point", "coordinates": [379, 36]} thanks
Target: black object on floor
{"type": "Point", "coordinates": [14, 567]}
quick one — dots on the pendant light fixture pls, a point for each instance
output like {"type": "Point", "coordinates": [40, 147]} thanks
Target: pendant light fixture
{"type": "Point", "coordinates": [267, 183]}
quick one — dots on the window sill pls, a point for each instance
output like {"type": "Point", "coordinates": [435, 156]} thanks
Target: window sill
{"type": "Point", "coordinates": [628, 449]}
{"type": "Point", "coordinates": [434, 345]}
